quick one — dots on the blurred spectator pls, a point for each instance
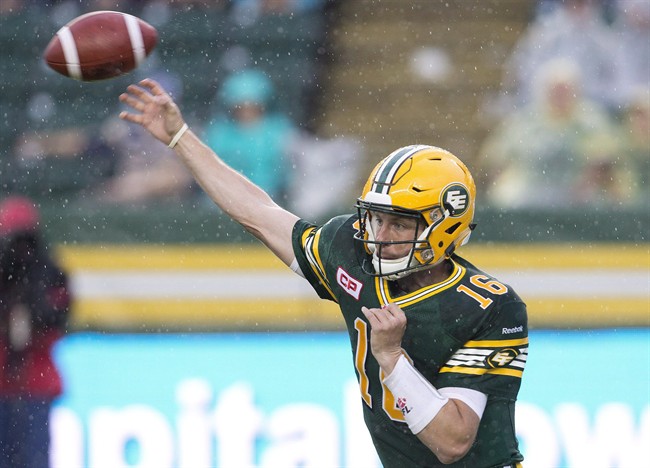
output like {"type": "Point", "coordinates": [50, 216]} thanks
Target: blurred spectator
{"type": "Point", "coordinates": [608, 7]}
{"type": "Point", "coordinates": [326, 175]}
{"type": "Point", "coordinates": [575, 30]}
{"type": "Point", "coordinates": [632, 31]}
{"type": "Point", "coordinates": [249, 135]}
{"type": "Point", "coordinates": [534, 158]}
{"type": "Point", "coordinates": [636, 141]}
{"type": "Point", "coordinates": [58, 162]}
{"type": "Point", "coordinates": [9, 7]}
{"type": "Point", "coordinates": [247, 12]}
{"type": "Point", "coordinates": [606, 176]}
{"type": "Point", "coordinates": [35, 146]}
{"type": "Point", "coordinates": [107, 162]}
{"type": "Point", "coordinates": [145, 171]}
{"type": "Point", "coordinates": [34, 308]}
{"type": "Point", "coordinates": [617, 167]}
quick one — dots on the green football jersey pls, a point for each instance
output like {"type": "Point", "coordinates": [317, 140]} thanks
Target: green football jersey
{"type": "Point", "coordinates": [468, 331]}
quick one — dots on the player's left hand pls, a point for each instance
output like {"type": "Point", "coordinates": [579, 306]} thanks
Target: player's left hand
{"type": "Point", "coordinates": [387, 327]}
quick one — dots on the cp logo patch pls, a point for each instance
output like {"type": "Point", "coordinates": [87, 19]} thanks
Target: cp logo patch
{"type": "Point", "coordinates": [348, 283]}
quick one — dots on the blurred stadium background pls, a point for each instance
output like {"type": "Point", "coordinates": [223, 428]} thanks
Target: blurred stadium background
{"type": "Point", "coordinates": [180, 316]}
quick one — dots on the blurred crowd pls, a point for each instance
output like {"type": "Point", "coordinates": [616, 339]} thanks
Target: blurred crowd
{"type": "Point", "coordinates": [250, 102]}
{"type": "Point", "coordinates": [573, 117]}
{"type": "Point", "coordinates": [570, 127]}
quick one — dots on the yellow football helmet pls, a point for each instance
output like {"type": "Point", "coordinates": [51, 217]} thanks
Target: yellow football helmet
{"type": "Point", "coordinates": [422, 182]}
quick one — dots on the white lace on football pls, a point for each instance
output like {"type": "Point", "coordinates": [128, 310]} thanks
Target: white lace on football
{"type": "Point", "coordinates": [137, 42]}
{"type": "Point", "coordinates": [70, 52]}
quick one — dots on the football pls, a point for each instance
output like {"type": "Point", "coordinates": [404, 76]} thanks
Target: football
{"type": "Point", "coordinates": [100, 45]}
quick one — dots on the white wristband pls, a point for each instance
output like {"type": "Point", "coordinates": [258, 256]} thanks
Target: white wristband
{"type": "Point", "coordinates": [178, 136]}
{"type": "Point", "coordinates": [418, 400]}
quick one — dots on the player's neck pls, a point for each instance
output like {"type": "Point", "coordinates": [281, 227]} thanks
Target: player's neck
{"type": "Point", "coordinates": [422, 279]}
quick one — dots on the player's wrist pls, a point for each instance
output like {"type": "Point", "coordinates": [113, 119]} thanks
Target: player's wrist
{"type": "Point", "coordinates": [177, 136]}
{"type": "Point", "coordinates": [388, 360]}
{"type": "Point", "coordinates": [418, 400]}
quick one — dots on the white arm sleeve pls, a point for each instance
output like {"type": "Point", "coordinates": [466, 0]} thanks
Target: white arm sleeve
{"type": "Point", "coordinates": [296, 268]}
{"type": "Point", "coordinates": [472, 398]}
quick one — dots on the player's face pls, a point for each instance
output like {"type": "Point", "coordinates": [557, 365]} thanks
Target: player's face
{"type": "Point", "coordinates": [394, 228]}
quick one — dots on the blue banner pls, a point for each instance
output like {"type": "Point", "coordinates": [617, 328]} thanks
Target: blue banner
{"type": "Point", "coordinates": [291, 400]}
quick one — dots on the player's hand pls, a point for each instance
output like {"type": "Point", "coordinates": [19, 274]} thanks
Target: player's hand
{"type": "Point", "coordinates": [387, 327]}
{"type": "Point", "coordinates": [154, 110]}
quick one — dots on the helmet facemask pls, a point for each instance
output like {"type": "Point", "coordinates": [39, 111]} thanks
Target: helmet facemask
{"type": "Point", "coordinates": [420, 254]}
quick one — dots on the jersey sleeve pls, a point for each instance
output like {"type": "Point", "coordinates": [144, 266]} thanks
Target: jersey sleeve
{"type": "Point", "coordinates": [311, 247]}
{"type": "Point", "coordinates": [493, 360]}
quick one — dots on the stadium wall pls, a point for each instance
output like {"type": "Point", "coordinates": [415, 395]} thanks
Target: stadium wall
{"type": "Point", "coordinates": [241, 286]}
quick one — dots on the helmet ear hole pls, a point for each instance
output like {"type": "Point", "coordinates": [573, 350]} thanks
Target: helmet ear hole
{"type": "Point", "coordinates": [452, 229]}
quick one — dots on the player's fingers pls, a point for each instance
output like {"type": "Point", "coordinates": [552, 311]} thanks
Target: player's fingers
{"type": "Point", "coordinates": [395, 311]}
{"type": "Point", "coordinates": [153, 85]}
{"type": "Point", "coordinates": [385, 313]}
{"type": "Point", "coordinates": [371, 315]}
{"type": "Point", "coordinates": [138, 92]}
{"type": "Point", "coordinates": [163, 100]}
{"type": "Point", "coordinates": [379, 318]}
{"type": "Point", "coordinates": [137, 104]}
{"type": "Point", "coordinates": [135, 118]}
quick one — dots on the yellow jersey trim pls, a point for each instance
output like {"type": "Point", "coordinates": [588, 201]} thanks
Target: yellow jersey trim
{"type": "Point", "coordinates": [496, 343]}
{"type": "Point", "coordinates": [482, 371]}
{"type": "Point", "coordinates": [383, 292]}
{"type": "Point", "coordinates": [310, 244]}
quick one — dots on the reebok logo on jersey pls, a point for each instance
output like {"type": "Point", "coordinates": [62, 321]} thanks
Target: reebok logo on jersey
{"type": "Point", "coordinates": [507, 331]}
{"type": "Point", "coordinates": [348, 283]}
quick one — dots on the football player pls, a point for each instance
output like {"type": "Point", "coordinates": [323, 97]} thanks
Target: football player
{"type": "Point", "coordinates": [439, 346]}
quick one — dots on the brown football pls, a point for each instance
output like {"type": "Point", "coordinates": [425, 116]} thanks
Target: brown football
{"type": "Point", "coordinates": [100, 45]}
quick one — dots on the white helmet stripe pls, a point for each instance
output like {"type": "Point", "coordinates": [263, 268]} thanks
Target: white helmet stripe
{"type": "Point", "coordinates": [390, 166]}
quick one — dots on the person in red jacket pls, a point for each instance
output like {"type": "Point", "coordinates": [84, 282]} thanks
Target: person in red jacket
{"type": "Point", "coordinates": [34, 308]}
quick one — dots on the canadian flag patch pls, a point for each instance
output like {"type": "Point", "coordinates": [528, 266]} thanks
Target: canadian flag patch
{"type": "Point", "coordinates": [348, 283]}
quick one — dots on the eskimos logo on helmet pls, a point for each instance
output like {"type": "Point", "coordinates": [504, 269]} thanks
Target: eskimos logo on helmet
{"type": "Point", "coordinates": [456, 197]}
